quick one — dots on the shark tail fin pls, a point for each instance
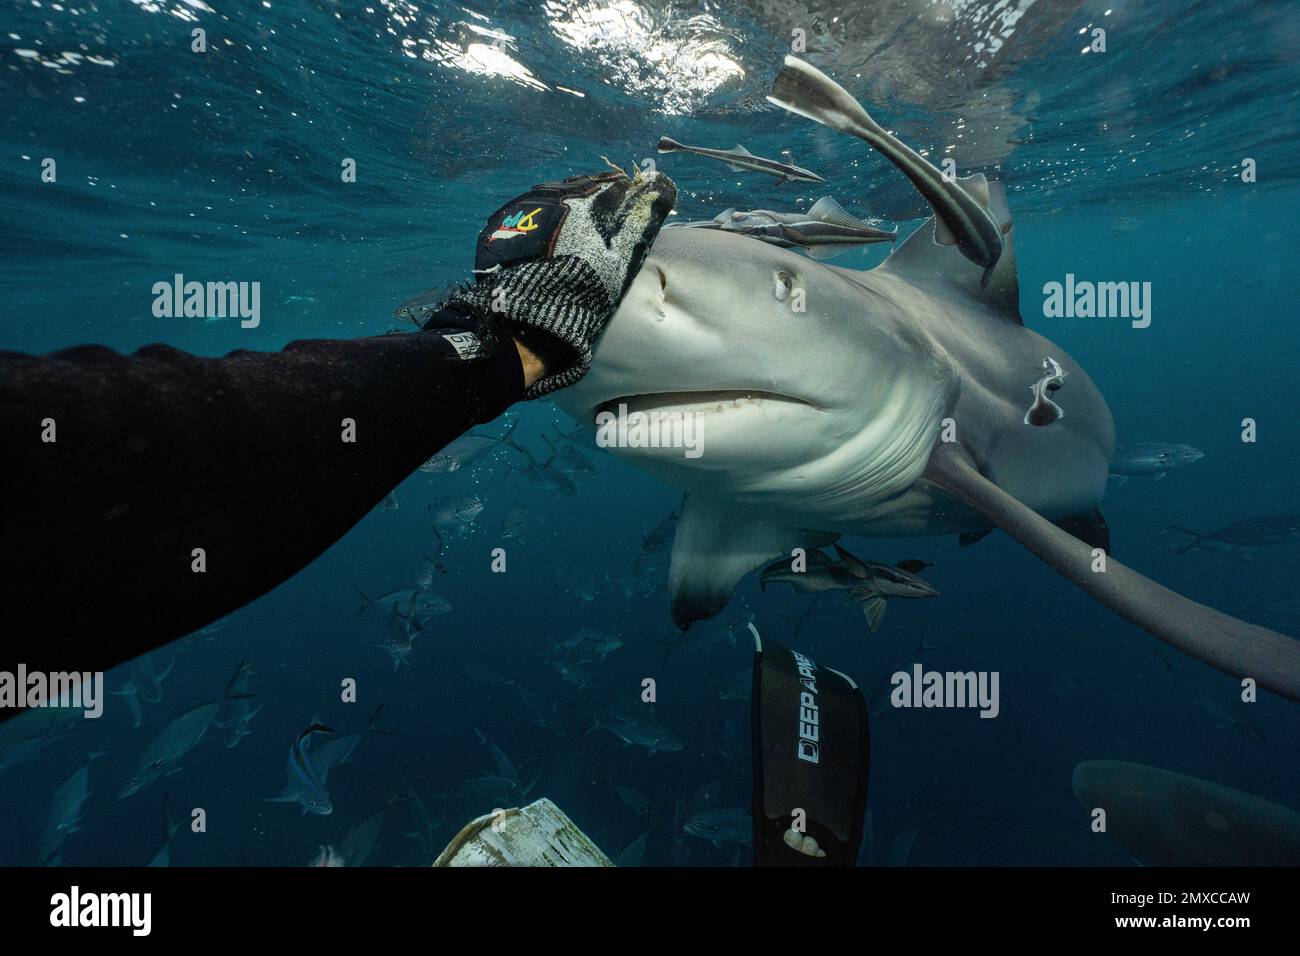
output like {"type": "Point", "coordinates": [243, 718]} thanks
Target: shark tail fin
{"type": "Point", "coordinates": [667, 144]}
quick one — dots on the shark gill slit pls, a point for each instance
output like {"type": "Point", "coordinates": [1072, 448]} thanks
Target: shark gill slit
{"type": "Point", "coordinates": [1212, 637]}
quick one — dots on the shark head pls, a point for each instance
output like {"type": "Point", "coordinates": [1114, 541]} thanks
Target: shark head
{"type": "Point", "coordinates": [777, 371]}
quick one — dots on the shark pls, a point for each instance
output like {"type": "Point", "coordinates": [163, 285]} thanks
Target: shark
{"type": "Point", "coordinates": [880, 403]}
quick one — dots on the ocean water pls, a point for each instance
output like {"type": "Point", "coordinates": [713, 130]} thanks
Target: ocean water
{"type": "Point", "coordinates": [1122, 165]}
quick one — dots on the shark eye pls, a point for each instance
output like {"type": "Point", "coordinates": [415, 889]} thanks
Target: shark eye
{"type": "Point", "coordinates": [784, 285]}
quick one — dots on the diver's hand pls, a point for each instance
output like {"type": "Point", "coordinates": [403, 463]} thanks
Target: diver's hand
{"type": "Point", "coordinates": [554, 263]}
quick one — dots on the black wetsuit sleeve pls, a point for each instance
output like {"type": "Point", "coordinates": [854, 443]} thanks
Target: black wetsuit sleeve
{"type": "Point", "coordinates": [260, 459]}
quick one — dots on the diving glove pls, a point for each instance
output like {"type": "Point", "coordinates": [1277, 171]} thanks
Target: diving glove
{"type": "Point", "coordinates": [552, 265]}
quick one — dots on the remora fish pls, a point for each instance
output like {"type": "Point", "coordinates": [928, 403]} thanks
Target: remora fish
{"type": "Point", "coordinates": [876, 582]}
{"type": "Point", "coordinates": [741, 159]}
{"type": "Point", "coordinates": [820, 574]}
{"type": "Point", "coordinates": [1152, 458]}
{"type": "Point", "coordinates": [304, 784]}
{"type": "Point", "coordinates": [823, 232]}
{"type": "Point", "coordinates": [842, 435]}
{"type": "Point", "coordinates": [1044, 411]}
{"type": "Point", "coordinates": [961, 207]}
{"type": "Point", "coordinates": [870, 582]}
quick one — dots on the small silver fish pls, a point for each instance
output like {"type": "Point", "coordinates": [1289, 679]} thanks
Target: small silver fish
{"type": "Point", "coordinates": [303, 784]}
{"type": "Point", "coordinates": [470, 449]}
{"type": "Point", "coordinates": [1152, 458]}
{"type": "Point", "coordinates": [455, 514]}
{"type": "Point", "coordinates": [724, 825]}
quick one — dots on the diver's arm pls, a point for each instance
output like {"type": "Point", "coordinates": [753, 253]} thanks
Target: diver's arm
{"type": "Point", "coordinates": [262, 460]}
{"type": "Point", "coordinates": [146, 496]}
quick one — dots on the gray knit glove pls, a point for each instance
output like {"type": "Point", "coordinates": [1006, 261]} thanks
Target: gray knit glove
{"type": "Point", "coordinates": [559, 258]}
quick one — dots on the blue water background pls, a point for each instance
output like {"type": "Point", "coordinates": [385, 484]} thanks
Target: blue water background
{"type": "Point", "coordinates": [225, 165]}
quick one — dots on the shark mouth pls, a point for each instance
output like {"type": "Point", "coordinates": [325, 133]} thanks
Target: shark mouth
{"type": "Point", "coordinates": [694, 402]}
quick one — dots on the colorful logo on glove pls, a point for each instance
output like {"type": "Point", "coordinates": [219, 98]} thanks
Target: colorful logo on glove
{"type": "Point", "coordinates": [516, 224]}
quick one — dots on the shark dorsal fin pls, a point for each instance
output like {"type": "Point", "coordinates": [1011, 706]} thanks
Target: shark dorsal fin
{"type": "Point", "coordinates": [743, 152]}
{"type": "Point", "coordinates": [920, 258]}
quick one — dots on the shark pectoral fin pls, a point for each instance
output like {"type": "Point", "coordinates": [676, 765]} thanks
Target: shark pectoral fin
{"type": "Point", "coordinates": [967, 538]}
{"type": "Point", "coordinates": [1089, 527]}
{"type": "Point", "coordinates": [1235, 647]}
{"type": "Point", "coordinates": [713, 548]}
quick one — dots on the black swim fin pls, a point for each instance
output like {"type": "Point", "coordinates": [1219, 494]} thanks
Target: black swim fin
{"type": "Point", "coordinates": [811, 744]}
